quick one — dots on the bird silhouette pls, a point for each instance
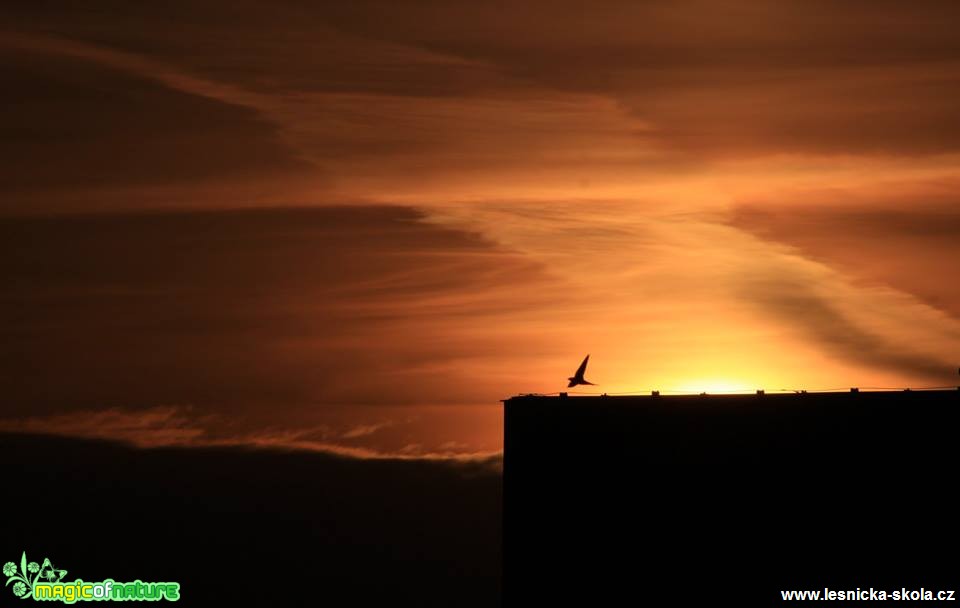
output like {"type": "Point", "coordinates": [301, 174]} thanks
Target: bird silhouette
{"type": "Point", "coordinates": [577, 378]}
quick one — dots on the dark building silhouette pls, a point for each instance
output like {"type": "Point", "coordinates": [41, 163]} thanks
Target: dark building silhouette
{"type": "Point", "coordinates": [723, 499]}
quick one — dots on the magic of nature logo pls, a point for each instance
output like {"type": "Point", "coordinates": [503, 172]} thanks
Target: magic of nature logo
{"type": "Point", "coordinates": [44, 582]}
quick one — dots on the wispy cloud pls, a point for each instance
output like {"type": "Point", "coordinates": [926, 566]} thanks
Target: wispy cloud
{"type": "Point", "coordinates": [692, 290]}
{"type": "Point", "coordinates": [364, 430]}
{"type": "Point", "coordinates": [155, 427]}
{"type": "Point", "coordinates": [181, 426]}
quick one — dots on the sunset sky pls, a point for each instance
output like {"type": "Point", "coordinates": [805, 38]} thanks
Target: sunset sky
{"type": "Point", "coordinates": [355, 226]}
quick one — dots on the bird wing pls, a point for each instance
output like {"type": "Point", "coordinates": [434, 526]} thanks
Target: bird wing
{"type": "Point", "coordinates": [582, 368]}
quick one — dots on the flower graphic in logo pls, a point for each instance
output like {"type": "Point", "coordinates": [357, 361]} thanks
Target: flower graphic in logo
{"type": "Point", "coordinates": [29, 574]}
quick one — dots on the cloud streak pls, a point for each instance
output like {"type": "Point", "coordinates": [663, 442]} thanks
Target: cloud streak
{"type": "Point", "coordinates": [175, 426]}
{"type": "Point", "coordinates": [901, 235]}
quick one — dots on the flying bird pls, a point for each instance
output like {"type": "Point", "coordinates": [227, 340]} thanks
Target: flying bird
{"type": "Point", "coordinates": [577, 378]}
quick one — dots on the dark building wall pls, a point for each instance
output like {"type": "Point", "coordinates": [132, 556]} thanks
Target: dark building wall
{"type": "Point", "coordinates": [677, 500]}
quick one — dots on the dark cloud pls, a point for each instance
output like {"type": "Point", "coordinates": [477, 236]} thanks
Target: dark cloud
{"type": "Point", "coordinates": [703, 80]}
{"type": "Point", "coordinates": [68, 123]}
{"type": "Point", "coordinates": [794, 303]}
{"type": "Point", "coordinates": [270, 47]}
{"type": "Point", "coordinates": [907, 237]}
{"type": "Point", "coordinates": [721, 79]}
{"type": "Point", "coordinates": [264, 318]}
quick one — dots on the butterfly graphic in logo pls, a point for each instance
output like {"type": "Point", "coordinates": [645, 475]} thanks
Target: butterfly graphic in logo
{"type": "Point", "coordinates": [49, 574]}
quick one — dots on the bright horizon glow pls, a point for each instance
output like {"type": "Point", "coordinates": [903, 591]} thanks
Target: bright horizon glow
{"type": "Point", "coordinates": [715, 386]}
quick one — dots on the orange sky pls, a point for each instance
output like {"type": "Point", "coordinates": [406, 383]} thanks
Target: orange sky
{"type": "Point", "coordinates": [450, 203]}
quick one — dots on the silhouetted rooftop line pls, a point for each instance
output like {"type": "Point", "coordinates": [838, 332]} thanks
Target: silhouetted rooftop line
{"type": "Point", "coordinates": [782, 391]}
